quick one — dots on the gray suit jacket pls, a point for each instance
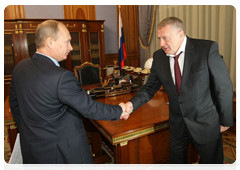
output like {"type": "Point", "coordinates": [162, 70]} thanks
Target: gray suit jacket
{"type": "Point", "coordinates": [206, 96]}
{"type": "Point", "coordinates": [47, 103]}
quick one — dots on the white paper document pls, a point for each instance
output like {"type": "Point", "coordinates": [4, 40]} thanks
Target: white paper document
{"type": "Point", "coordinates": [16, 157]}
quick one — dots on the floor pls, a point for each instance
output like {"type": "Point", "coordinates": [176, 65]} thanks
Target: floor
{"type": "Point", "coordinates": [230, 148]}
{"type": "Point", "coordinates": [230, 142]}
{"type": "Point", "coordinates": [234, 128]}
{"type": "Point", "coordinates": [230, 145]}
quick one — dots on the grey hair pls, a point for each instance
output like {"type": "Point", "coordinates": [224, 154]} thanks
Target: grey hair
{"type": "Point", "coordinates": [173, 21]}
{"type": "Point", "coordinates": [48, 28]}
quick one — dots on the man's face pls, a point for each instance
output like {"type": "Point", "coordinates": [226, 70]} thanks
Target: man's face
{"type": "Point", "coordinates": [62, 46]}
{"type": "Point", "coordinates": [170, 39]}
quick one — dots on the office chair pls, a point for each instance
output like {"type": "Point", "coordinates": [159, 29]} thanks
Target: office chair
{"type": "Point", "coordinates": [88, 73]}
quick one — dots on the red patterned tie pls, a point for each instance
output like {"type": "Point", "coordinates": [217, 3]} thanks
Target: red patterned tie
{"type": "Point", "coordinates": [178, 77]}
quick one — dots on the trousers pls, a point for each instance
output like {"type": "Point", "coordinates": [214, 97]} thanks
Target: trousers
{"type": "Point", "coordinates": [210, 153]}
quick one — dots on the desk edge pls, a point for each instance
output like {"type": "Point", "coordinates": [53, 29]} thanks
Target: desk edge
{"type": "Point", "coordinates": [131, 135]}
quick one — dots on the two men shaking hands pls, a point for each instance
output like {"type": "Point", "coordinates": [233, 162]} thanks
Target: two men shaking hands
{"type": "Point", "coordinates": [127, 110]}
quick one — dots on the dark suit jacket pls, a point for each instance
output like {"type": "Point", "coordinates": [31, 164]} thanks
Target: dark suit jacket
{"type": "Point", "coordinates": [206, 96]}
{"type": "Point", "coordinates": [47, 103]}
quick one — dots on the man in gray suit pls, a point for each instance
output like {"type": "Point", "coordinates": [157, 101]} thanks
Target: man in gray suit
{"type": "Point", "coordinates": [47, 103]}
{"type": "Point", "coordinates": [199, 89]}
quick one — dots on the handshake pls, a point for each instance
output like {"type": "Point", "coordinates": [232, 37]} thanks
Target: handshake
{"type": "Point", "coordinates": [127, 110]}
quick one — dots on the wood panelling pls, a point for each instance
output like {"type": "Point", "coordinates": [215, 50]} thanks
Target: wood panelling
{"type": "Point", "coordinates": [22, 36]}
{"type": "Point", "coordinates": [9, 12]}
{"type": "Point", "coordinates": [159, 153]}
{"type": "Point", "coordinates": [234, 104]}
{"type": "Point", "coordinates": [130, 24]}
{"type": "Point", "coordinates": [144, 138]}
{"type": "Point", "coordinates": [80, 12]}
{"type": "Point", "coordinates": [129, 14]}
{"type": "Point", "coordinates": [14, 12]}
{"type": "Point", "coordinates": [109, 58]}
{"type": "Point", "coordinates": [20, 11]}
{"type": "Point", "coordinates": [7, 81]}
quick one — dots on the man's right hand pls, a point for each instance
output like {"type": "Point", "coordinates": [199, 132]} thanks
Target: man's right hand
{"type": "Point", "coordinates": [128, 110]}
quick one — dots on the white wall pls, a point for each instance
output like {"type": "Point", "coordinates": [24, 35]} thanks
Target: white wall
{"type": "Point", "coordinates": [44, 11]}
{"type": "Point", "coordinates": [109, 14]}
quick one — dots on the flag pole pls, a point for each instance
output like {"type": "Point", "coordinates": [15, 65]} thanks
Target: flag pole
{"type": "Point", "coordinates": [122, 48]}
{"type": "Point", "coordinates": [119, 43]}
{"type": "Point", "coordinates": [119, 33]}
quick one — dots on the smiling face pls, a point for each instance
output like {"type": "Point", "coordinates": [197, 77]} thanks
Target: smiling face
{"type": "Point", "coordinates": [170, 38]}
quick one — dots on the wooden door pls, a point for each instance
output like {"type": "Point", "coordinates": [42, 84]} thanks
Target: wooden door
{"type": "Point", "coordinates": [87, 12]}
{"type": "Point", "coordinates": [95, 47]}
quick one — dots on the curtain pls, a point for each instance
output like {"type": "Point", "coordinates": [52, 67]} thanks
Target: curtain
{"type": "Point", "coordinates": [212, 22]}
{"type": "Point", "coordinates": [146, 14]}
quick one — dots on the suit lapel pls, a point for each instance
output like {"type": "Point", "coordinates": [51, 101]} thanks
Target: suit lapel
{"type": "Point", "coordinates": [189, 55]}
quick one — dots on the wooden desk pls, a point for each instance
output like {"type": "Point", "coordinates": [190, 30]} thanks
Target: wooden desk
{"type": "Point", "coordinates": [142, 139]}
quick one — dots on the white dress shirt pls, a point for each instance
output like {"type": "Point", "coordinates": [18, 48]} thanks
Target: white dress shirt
{"type": "Point", "coordinates": [180, 59]}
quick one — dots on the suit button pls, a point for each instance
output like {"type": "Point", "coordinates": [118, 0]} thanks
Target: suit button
{"type": "Point", "coordinates": [179, 101]}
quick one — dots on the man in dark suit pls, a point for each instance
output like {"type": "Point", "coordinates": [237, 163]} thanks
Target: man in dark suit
{"type": "Point", "coordinates": [47, 103]}
{"type": "Point", "coordinates": [200, 101]}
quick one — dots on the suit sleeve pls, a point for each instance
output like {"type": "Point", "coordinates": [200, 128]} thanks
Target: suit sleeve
{"type": "Point", "coordinates": [147, 92]}
{"type": "Point", "coordinates": [14, 104]}
{"type": "Point", "coordinates": [71, 94]}
{"type": "Point", "coordinates": [222, 86]}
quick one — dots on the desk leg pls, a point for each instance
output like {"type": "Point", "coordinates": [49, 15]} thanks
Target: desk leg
{"type": "Point", "coordinates": [121, 153]}
{"type": "Point", "coordinates": [96, 142]}
{"type": "Point", "coordinates": [99, 156]}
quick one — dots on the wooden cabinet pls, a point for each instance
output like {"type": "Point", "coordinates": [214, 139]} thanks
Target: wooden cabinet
{"type": "Point", "coordinates": [19, 43]}
{"type": "Point", "coordinates": [87, 41]}
{"type": "Point", "coordinates": [8, 53]}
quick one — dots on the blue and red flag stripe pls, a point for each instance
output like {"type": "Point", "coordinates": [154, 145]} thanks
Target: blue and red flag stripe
{"type": "Point", "coordinates": [122, 49]}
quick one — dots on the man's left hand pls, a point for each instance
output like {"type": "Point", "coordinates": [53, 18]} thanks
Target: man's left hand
{"type": "Point", "coordinates": [223, 128]}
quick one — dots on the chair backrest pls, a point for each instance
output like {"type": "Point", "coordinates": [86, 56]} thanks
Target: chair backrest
{"type": "Point", "coordinates": [88, 73]}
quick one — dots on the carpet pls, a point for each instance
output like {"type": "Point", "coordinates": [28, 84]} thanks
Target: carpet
{"type": "Point", "coordinates": [230, 147]}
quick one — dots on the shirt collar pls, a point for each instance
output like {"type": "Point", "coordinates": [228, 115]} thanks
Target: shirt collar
{"type": "Point", "coordinates": [54, 60]}
{"type": "Point", "coordinates": [182, 48]}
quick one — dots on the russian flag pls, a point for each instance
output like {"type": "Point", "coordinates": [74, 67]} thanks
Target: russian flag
{"type": "Point", "coordinates": [122, 49]}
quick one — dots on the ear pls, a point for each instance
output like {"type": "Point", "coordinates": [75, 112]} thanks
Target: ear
{"type": "Point", "coordinates": [181, 33]}
{"type": "Point", "coordinates": [49, 42]}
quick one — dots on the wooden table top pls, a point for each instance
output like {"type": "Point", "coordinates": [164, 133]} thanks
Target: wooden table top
{"type": "Point", "coordinates": [151, 117]}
